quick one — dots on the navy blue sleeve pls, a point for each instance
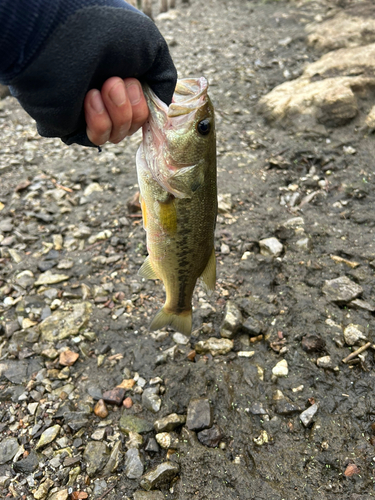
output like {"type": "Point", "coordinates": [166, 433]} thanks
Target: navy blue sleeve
{"type": "Point", "coordinates": [53, 52]}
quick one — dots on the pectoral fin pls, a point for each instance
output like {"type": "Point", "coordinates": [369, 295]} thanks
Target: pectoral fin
{"type": "Point", "coordinates": [147, 271]}
{"type": "Point", "coordinates": [186, 181]}
{"type": "Point", "coordinates": [209, 274]}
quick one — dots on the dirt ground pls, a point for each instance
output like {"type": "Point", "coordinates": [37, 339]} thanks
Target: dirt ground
{"type": "Point", "coordinates": [69, 204]}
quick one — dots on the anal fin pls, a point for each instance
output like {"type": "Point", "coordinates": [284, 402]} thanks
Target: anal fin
{"type": "Point", "coordinates": [147, 271]}
{"type": "Point", "coordinates": [209, 274]}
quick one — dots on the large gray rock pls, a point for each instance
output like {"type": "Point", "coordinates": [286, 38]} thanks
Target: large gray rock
{"type": "Point", "coordinates": [96, 456]}
{"type": "Point", "coordinates": [8, 448]}
{"type": "Point", "coordinates": [199, 414]}
{"type": "Point", "coordinates": [134, 464]}
{"type": "Point", "coordinates": [160, 476]}
{"type": "Point", "coordinates": [232, 320]}
{"type": "Point", "coordinates": [341, 290]}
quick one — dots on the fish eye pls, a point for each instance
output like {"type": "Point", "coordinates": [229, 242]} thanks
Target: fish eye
{"type": "Point", "coordinates": [204, 127]}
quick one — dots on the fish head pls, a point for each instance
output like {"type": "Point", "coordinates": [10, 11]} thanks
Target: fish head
{"type": "Point", "coordinates": [180, 138]}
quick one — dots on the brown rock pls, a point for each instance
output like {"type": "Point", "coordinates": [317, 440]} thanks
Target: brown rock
{"type": "Point", "coordinates": [128, 402]}
{"type": "Point", "coordinates": [114, 396]}
{"type": "Point", "coordinates": [100, 409]}
{"type": "Point", "coordinates": [68, 358]}
{"type": "Point", "coordinates": [312, 342]}
{"type": "Point", "coordinates": [351, 470]}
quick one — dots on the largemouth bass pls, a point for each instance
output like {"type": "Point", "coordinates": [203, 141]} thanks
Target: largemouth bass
{"type": "Point", "coordinates": [176, 166]}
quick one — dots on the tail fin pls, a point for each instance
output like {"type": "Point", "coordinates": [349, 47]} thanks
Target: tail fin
{"type": "Point", "coordinates": [180, 322]}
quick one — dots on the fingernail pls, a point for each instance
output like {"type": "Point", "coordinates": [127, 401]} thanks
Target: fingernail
{"type": "Point", "coordinates": [117, 94]}
{"type": "Point", "coordinates": [96, 102]}
{"type": "Point", "coordinates": [134, 93]}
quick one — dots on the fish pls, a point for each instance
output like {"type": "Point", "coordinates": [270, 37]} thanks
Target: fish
{"type": "Point", "coordinates": [177, 178]}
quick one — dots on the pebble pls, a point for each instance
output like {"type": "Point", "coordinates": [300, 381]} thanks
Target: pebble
{"type": "Point", "coordinates": [211, 437]}
{"type": "Point", "coordinates": [49, 278]}
{"type": "Point", "coordinates": [43, 489]}
{"type": "Point", "coordinates": [100, 486]}
{"type": "Point", "coordinates": [48, 436]}
{"type": "Point", "coordinates": [98, 435]}
{"type": "Point", "coordinates": [135, 440]}
{"type": "Point", "coordinates": [245, 354]}
{"type": "Point", "coordinates": [312, 342]}
{"type": "Point", "coordinates": [25, 279]}
{"type": "Point", "coordinates": [224, 249]}
{"type": "Point", "coordinates": [262, 439]}
{"type": "Point", "coordinates": [128, 402]}
{"type": "Point", "coordinates": [95, 455]}
{"type": "Point", "coordinates": [28, 464]}
{"type": "Point", "coordinates": [94, 187]}
{"type": "Point", "coordinates": [199, 414]}
{"type": "Point", "coordinates": [148, 495]}
{"type": "Point", "coordinates": [114, 396]}
{"type": "Point", "coordinates": [271, 247]}
{"type": "Point", "coordinates": [160, 476]}
{"type": "Point", "coordinates": [324, 362]}
{"type": "Point", "coordinates": [214, 346]}
{"type": "Point", "coordinates": [150, 400]}
{"type": "Point", "coordinates": [341, 290]}
{"type": "Point", "coordinates": [353, 335]}
{"type": "Point", "coordinates": [59, 495]}
{"type": "Point", "coordinates": [134, 464]}
{"type": "Point", "coordinates": [281, 369]}
{"type": "Point", "coordinates": [8, 448]}
{"type": "Point", "coordinates": [181, 339]}
{"type": "Point", "coordinates": [63, 324]}
{"type": "Point", "coordinates": [68, 358]}
{"type": "Point", "coordinates": [252, 327]}
{"type": "Point", "coordinates": [166, 440]}
{"type": "Point", "coordinates": [114, 460]}
{"type": "Point", "coordinates": [308, 415]}
{"type": "Point", "coordinates": [127, 384]}
{"type": "Point", "coordinates": [152, 446]}
{"type": "Point", "coordinates": [232, 320]}
{"type": "Point", "coordinates": [351, 470]}
{"type": "Point", "coordinates": [131, 423]}
{"type": "Point", "coordinates": [169, 423]}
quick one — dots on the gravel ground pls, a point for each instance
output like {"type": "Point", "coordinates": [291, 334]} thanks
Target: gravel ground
{"type": "Point", "coordinates": [258, 402]}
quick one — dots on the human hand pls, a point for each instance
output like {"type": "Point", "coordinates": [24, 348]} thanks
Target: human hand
{"type": "Point", "coordinates": [115, 112]}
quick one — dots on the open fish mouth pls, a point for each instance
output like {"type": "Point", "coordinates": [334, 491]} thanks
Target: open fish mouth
{"type": "Point", "coordinates": [190, 94]}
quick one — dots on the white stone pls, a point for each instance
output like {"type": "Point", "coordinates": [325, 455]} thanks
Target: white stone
{"type": "Point", "coordinates": [271, 247]}
{"type": "Point", "coordinates": [281, 369]}
{"type": "Point", "coordinates": [353, 335]}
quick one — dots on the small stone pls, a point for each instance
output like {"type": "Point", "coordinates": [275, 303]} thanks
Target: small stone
{"type": "Point", "coordinates": [324, 362]}
{"type": "Point", "coordinates": [245, 354]}
{"type": "Point", "coordinates": [224, 203]}
{"type": "Point", "coordinates": [48, 436]}
{"type": "Point", "coordinates": [165, 440]}
{"type": "Point", "coordinates": [28, 464]}
{"type": "Point", "coordinates": [148, 495]}
{"type": "Point", "coordinates": [313, 342]}
{"type": "Point", "coordinates": [127, 384]}
{"type": "Point", "coordinates": [100, 409]}
{"type": "Point", "coordinates": [362, 304]}
{"type": "Point", "coordinates": [281, 369]}
{"type": "Point", "coordinates": [304, 244]}
{"type": "Point", "coordinates": [152, 446]}
{"type": "Point", "coordinates": [8, 448]}
{"type": "Point", "coordinates": [341, 290]}
{"type": "Point", "coordinates": [94, 187]}
{"type": "Point", "coordinates": [285, 406]}
{"type": "Point", "coordinates": [65, 264]}
{"type": "Point", "coordinates": [210, 437]}
{"type": "Point", "coordinates": [199, 414]}
{"type": "Point", "coordinates": [135, 440]}
{"type": "Point", "coordinates": [271, 247]}
{"type": "Point", "coordinates": [59, 495]}
{"type": "Point", "coordinates": [128, 402]}
{"type": "Point", "coordinates": [252, 327]}
{"type": "Point", "coordinates": [68, 358]}
{"type": "Point", "coordinates": [134, 465]}
{"type": "Point", "coordinates": [48, 278]}
{"type": "Point", "coordinates": [181, 339]}
{"type": "Point", "coordinates": [353, 335]}
{"type": "Point", "coordinates": [43, 489]}
{"type": "Point", "coordinates": [232, 320]}
{"type": "Point", "coordinates": [257, 409]}
{"type": "Point", "coordinates": [131, 423]}
{"type": "Point", "coordinates": [224, 249]}
{"type": "Point", "coordinates": [25, 279]}
{"type": "Point", "coordinates": [150, 400]}
{"type": "Point", "coordinates": [115, 459]}
{"type": "Point", "coordinates": [114, 396]}
{"type": "Point", "coordinates": [63, 324]}
{"type": "Point", "coordinates": [308, 415]}
{"type": "Point", "coordinates": [160, 476]}
{"type": "Point", "coordinates": [351, 470]}
{"type": "Point", "coordinates": [169, 423]}
{"type": "Point", "coordinates": [262, 438]}
{"type": "Point", "coordinates": [214, 346]}
{"type": "Point", "coordinates": [96, 456]}
{"type": "Point", "coordinates": [98, 435]}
